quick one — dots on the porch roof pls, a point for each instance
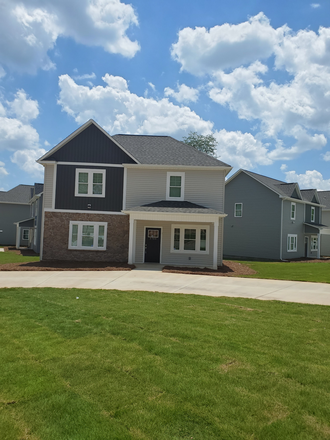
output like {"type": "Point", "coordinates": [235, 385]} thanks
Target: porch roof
{"type": "Point", "coordinates": [28, 223]}
{"type": "Point", "coordinates": [170, 206]}
{"type": "Point", "coordinates": [313, 225]}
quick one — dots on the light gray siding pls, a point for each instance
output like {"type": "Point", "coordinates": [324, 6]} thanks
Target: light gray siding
{"type": "Point", "coordinates": [49, 186]}
{"type": "Point", "coordinates": [168, 257]}
{"type": "Point", "coordinates": [202, 187]}
{"type": "Point", "coordinates": [257, 234]}
{"type": "Point", "coordinates": [294, 227]}
{"type": "Point", "coordinates": [9, 214]}
{"type": "Point", "coordinates": [325, 235]}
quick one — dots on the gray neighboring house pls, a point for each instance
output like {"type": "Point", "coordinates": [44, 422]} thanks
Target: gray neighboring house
{"type": "Point", "coordinates": [28, 231]}
{"type": "Point", "coordinates": [14, 206]}
{"type": "Point", "coordinates": [325, 234]}
{"type": "Point", "coordinates": [134, 198]}
{"type": "Point", "coordinates": [270, 219]}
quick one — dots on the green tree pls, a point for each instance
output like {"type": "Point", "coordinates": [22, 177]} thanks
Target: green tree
{"type": "Point", "coordinates": [205, 143]}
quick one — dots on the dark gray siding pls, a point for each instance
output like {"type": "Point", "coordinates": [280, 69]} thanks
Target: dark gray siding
{"type": "Point", "coordinates": [65, 190]}
{"type": "Point", "coordinates": [9, 214]}
{"type": "Point", "coordinates": [294, 227]}
{"type": "Point", "coordinates": [92, 146]}
{"type": "Point", "coordinates": [257, 233]}
{"type": "Point", "coordinates": [317, 214]}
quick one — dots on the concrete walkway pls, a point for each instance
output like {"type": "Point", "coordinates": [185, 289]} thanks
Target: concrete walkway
{"type": "Point", "coordinates": [151, 278]}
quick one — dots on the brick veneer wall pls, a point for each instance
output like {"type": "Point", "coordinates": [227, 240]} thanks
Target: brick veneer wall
{"type": "Point", "coordinates": [56, 237]}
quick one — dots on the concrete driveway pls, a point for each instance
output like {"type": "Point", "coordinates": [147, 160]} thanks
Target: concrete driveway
{"type": "Point", "coordinates": [151, 278]}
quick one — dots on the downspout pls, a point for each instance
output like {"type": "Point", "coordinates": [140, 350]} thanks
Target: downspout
{"type": "Point", "coordinates": [281, 242]}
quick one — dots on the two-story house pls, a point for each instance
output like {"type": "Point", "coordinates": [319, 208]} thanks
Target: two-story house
{"type": "Point", "coordinates": [132, 198]}
{"type": "Point", "coordinates": [324, 197]}
{"type": "Point", "coordinates": [270, 219]}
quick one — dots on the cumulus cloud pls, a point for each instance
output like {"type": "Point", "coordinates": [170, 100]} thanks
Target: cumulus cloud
{"type": "Point", "coordinates": [310, 179]}
{"type": "Point", "coordinates": [2, 72]}
{"type": "Point", "coordinates": [30, 29]}
{"type": "Point", "coordinates": [119, 110]}
{"type": "Point", "coordinates": [3, 171]}
{"type": "Point", "coordinates": [315, 5]}
{"type": "Point", "coordinates": [24, 108]}
{"type": "Point", "coordinates": [183, 94]}
{"type": "Point", "coordinates": [85, 76]}
{"type": "Point", "coordinates": [241, 150]}
{"type": "Point", "coordinates": [326, 156]}
{"type": "Point", "coordinates": [26, 160]}
{"type": "Point", "coordinates": [201, 51]}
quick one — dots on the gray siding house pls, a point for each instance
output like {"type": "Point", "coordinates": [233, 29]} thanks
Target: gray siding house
{"type": "Point", "coordinates": [28, 231]}
{"type": "Point", "coordinates": [132, 198]}
{"type": "Point", "coordinates": [270, 219]}
{"type": "Point", "coordinates": [324, 197]}
{"type": "Point", "coordinates": [14, 206]}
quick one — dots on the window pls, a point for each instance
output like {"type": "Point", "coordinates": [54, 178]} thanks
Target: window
{"type": "Point", "coordinates": [90, 183]}
{"type": "Point", "coordinates": [313, 214]}
{"type": "Point", "coordinates": [238, 210]}
{"type": "Point", "coordinates": [292, 243]}
{"type": "Point", "coordinates": [187, 239]}
{"type": "Point", "coordinates": [293, 211]}
{"type": "Point", "coordinates": [87, 235]}
{"type": "Point", "coordinates": [25, 234]}
{"type": "Point", "coordinates": [314, 243]}
{"type": "Point", "coordinates": [175, 186]}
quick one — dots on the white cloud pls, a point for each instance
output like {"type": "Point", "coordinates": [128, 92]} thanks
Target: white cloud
{"type": "Point", "coordinates": [85, 76]}
{"type": "Point", "coordinates": [22, 107]}
{"type": "Point", "coordinates": [310, 179]}
{"type": "Point", "coordinates": [283, 167]}
{"type": "Point", "coordinates": [15, 135]}
{"type": "Point", "coordinates": [26, 160]}
{"type": "Point", "coordinates": [152, 86]}
{"type": "Point", "coordinates": [315, 5]}
{"type": "Point", "coordinates": [28, 31]}
{"type": "Point", "coordinates": [184, 93]}
{"type": "Point", "coordinates": [2, 72]}
{"type": "Point", "coordinates": [326, 156]}
{"type": "Point", "coordinates": [201, 51]}
{"type": "Point", "coordinates": [3, 171]}
{"type": "Point", "coordinates": [120, 111]}
{"type": "Point", "coordinates": [241, 150]}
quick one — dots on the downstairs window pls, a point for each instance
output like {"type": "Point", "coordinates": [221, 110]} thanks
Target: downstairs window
{"type": "Point", "coordinates": [88, 235]}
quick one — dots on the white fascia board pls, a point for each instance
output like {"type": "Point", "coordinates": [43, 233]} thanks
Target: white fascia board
{"type": "Point", "coordinates": [301, 201]}
{"type": "Point", "coordinates": [15, 203]}
{"type": "Point", "coordinates": [76, 211]}
{"type": "Point", "coordinates": [170, 216]}
{"type": "Point", "coordinates": [233, 176]}
{"type": "Point", "coordinates": [176, 167]}
{"type": "Point", "coordinates": [74, 134]}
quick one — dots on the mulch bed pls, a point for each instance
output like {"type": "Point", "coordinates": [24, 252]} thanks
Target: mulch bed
{"type": "Point", "coordinates": [228, 269]}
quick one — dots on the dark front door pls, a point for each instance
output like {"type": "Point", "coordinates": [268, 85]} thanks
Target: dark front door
{"type": "Point", "coordinates": [152, 245]}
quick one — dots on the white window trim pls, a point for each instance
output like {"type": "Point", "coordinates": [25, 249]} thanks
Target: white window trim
{"type": "Point", "coordinates": [28, 232]}
{"type": "Point", "coordinates": [313, 214]}
{"type": "Point", "coordinates": [169, 174]}
{"type": "Point", "coordinates": [295, 210]}
{"type": "Point", "coordinates": [198, 228]}
{"type": "Point", "coordinates": [239, 203]}
{"type": "Point", "coordinates": [289, 242]}
{"type": "Point", "coordinates": [314, 249]}
{"type": "Point", "coordinates": [90, 173]}
{"type": "Point", "coordinates": [96, 228]}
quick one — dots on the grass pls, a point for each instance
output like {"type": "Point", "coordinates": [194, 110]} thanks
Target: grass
{"type": "Point", "coordinates": [143, 365]}
{"type": "Point", "coordinates": [11, 257]}
{"type": "Point", "coordinates": [295, 271]}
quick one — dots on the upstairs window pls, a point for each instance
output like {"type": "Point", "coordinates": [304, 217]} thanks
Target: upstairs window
{"type": "Point", "coordinates": [175, 186]}
{"type": "Point", "coordinates": [313, 214]}
{"type": "Point", "coordinates": [87, 235]}
{"type": "Point", "coordinates": [293, 211]}
{"type": "Point", "coordinates": [238, 210]}
{"type": "Point", "coordinates": [90, 183]}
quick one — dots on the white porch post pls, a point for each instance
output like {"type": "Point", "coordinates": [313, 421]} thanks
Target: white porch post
{"type": "Point", "coordinates": [18, 236]}
{"type": "Point", "coordinates": [215, 244]}
{"type": "Point", "coordinates": [131, 239]}
{"type": "Point", "coordinates": [318, 245]}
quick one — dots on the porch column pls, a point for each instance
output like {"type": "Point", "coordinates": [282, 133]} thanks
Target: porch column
{"type": "Point", "coordinates": [215, 244]}
{"type": "Point", "coordinates": [318, 246]}
{"type": "Point", "coordinates": [18, 236]}
{"type": "Point", "coordinates": [131, 239]}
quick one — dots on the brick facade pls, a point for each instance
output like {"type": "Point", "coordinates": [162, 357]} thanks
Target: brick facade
{"type": "Point", "coordinates": [56, 237]}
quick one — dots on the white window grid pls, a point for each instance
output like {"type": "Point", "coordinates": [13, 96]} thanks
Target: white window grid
{"type": "Point", "coordinates": [198, 229]}
{"type": "Point", "coordinates": [293, 211]}
{"type": "Point", "coordinates": [313, 214]}
{"type": "Point", "coordinates": [168, 180]}
{"type": "Point", "coordinates": [292, 243]}
{"type": "Point", "coordinates": [238, 210]}
{"type": "Point", "coordinates": [96, 235]}
{"type": "Point", "coordinates": [314, 243]}
{"type": "Point", "coordinates": [90, 173]}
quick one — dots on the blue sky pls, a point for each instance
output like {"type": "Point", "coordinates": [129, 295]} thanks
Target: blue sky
{"type": "Point", "coordinates": [254, 73]}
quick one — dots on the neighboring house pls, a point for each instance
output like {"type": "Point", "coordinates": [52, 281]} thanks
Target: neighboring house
{"type": "Point", "coordinates": [29, 230]}
{"type": "Point", "coordinates": [270, 219]}
{"type": "Point", "coordinates": [132, 198]}
{"type": "Point", "coordinates": [325, 234]}
{"type": "Point", "coordinates": [14, 206]}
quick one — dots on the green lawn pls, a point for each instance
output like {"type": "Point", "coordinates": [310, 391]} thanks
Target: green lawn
{"type": "Point", "coordinates": [11, 257]}
{"type": "Point", "coordinates": [142, 365]}
{"type": "Point", "coordinates": [315, 272]}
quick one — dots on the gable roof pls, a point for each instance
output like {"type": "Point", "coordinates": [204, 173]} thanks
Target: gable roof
{"type": "Point", "coordinates": [164, 150]}
{"type": "Point", "coordinates": [170, 206]}
{"type": "Point", "coordinates": [310, 195]}
{"type": "Point", "coordinates": [324, 197]}
{"type": "Point", "coordinates": [21, 194]}
{"type": "Point", "coordinates": [149, 150]}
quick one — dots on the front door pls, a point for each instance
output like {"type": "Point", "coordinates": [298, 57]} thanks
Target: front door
{"type": "Point", "coordinates": [152, 245]}
{"type": "Point", "coordinates": [306, 247]}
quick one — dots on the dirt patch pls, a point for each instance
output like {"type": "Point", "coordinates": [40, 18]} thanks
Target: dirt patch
{"type": "Point", "coordinates": [228, 269]}
{"type": "Point", "coordinates": [309, 260]}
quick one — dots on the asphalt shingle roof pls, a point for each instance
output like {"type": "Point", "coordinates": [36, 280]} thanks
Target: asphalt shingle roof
{"type": "Point", "coordinates": [19, 194]}
{"type": "Point", "coordinates": [324, 197]}
{"type": "Point", "coordinates": [164, 150]}
{"type": "Point", "coordinates": [175, 207]}
{"type": "Point", "coordinates": [280, 187]}
{"type": "Point", "coordinates": [308, 194]}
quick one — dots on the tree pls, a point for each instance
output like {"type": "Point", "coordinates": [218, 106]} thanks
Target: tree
{"type": "Point", "coordinates": [205, 143]}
